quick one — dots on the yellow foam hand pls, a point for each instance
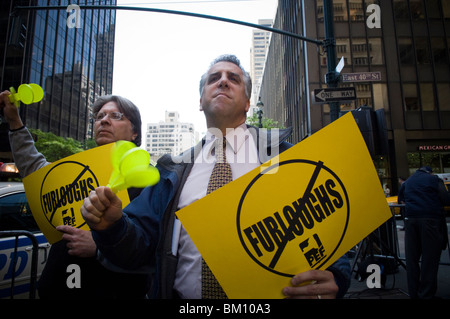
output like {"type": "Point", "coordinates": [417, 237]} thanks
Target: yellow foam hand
{"type": "Point", "coordinates": [27, 93]}
{"type": "Point", "coordinates": [131, 167]}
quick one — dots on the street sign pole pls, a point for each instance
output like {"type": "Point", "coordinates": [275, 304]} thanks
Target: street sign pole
{"type": "Point", "coordinates": [332, 77]}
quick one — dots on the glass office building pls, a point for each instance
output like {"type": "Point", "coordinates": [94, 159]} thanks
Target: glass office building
{"type": "Point", "coordinates": [410, 50]}
{"type": "Point", "coordinates": [69, 52]}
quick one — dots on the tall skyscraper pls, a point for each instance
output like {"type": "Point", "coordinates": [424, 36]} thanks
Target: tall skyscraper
{"type": "Point", "coordinates": [258, 52]}
{"type": "Point", "coordinates": [69, 52]}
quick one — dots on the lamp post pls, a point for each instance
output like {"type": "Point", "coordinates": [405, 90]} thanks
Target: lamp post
{"type": "Point", "coordinates": [332, 77]}
{"type": "Point", "coordinates": [260, 106]}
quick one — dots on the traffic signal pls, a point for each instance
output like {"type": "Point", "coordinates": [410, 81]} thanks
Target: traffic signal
{"type": "Point", "coordinates": [18, 32]}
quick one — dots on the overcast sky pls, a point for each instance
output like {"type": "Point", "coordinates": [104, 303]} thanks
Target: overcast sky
{"type": "Point", "coordinates": [159, 58]}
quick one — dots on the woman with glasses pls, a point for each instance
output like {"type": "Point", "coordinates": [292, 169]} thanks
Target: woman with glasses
{"type": "Point", "coordinates": [112, 116]}
{"type": "Point", "coordinates": [115, 118]}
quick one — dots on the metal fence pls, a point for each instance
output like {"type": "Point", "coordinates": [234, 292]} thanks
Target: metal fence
{"type": "Point", "coordinates": [34, 259]}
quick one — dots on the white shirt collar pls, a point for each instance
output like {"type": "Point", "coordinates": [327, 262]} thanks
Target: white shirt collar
{"type": "Point", "coordinates": [235, 138]}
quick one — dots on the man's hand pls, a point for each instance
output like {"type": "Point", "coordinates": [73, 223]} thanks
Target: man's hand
{"type": "Point", "coordinates": [312, 284]}
{"type": "Point", "coordinates": [101, 209]}
{"type": "Point", "coordinates": [79, 242]}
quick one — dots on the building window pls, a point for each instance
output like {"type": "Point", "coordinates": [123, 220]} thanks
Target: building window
{"type": "Point", "coordinates": [376, 51]}
{"type": "Point", "coordinates": [401, 10]}
{"type": "Point", "coordinates": [359, 47]}
{"type": "Point", "coordinates": [411, 106]}
{"type": "Point", "coordinates": [446, 9]}
{"type": "Point", "coordinates": [422, 52]}
{"type": "Point", "coordinates": [433, 9]}
{"type": "Point", "coordinates": [429, 110]}
{"type": "Point", "coordinates": [443, 92]}
{"type": "Point", "coordinates": [427, 97]}
{"type": "Point", "coordinates": [406, 52]}
{"type": "Point", "coordinates": [438, 161]}
{"type": "Point", "coordinates": [343, 49]}
{"type": "Point", "coordinates": [410, 97]}
{"type": "Point", "coordinates": [439, 51]}
{"type": "Point", "coordinates": [380, 96]}
{"type": "Point", "coordinates": [360, 61]}
{"type": "Point", "coordinates": [356, 11]}
{"type": "Point", "coordinates": [417, 9]}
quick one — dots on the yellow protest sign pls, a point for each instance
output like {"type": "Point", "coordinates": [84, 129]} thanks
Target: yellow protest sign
{"type": "Point", "coordinates": [301, 212]}
{"type": "Point", "coordinates": [55, 192]}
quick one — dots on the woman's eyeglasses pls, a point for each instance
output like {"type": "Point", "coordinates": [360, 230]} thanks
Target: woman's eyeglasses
{"type": "Point", "coordinates": [116, 116]}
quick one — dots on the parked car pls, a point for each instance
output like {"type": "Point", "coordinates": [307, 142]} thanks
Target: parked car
{"type": "Point", "coordinates": [15, 215]}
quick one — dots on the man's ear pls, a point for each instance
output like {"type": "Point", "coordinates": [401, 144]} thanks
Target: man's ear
{"type": "Point", "coordinates": [247, 106]}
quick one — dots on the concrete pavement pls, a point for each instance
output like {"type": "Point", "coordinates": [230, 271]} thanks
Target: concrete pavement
{"type": "Point", "coordinates": [395, 286]}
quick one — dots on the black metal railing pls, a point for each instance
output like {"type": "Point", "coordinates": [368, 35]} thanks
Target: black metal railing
{"type": "Point", "coordinates": [34, 259]}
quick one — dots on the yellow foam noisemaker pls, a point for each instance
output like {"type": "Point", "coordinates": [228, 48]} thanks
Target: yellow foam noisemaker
{"type": "Point", "coordinates": [131, 167]}
{"type": "Point", "coordinates": [27, 93]}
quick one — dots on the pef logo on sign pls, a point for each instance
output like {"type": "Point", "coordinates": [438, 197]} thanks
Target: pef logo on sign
{"type": "Point", "coordinates": [293, 222]}
{"type": "Point", "coordinates": [62, 193]}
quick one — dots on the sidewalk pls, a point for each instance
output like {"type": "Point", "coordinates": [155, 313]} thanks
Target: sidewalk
{"type": "Point", "coordinates": [396, 286]}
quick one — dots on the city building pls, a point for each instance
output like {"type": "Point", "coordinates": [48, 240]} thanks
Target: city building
{"type": "Point", "coordinates": [258, 51]}
{"type": "Point", "coordinates": [67, 51]}
{"type": "Point", "coordinates": [406, 42]}
{"type": "Point", "coordinates": [169, 137]}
